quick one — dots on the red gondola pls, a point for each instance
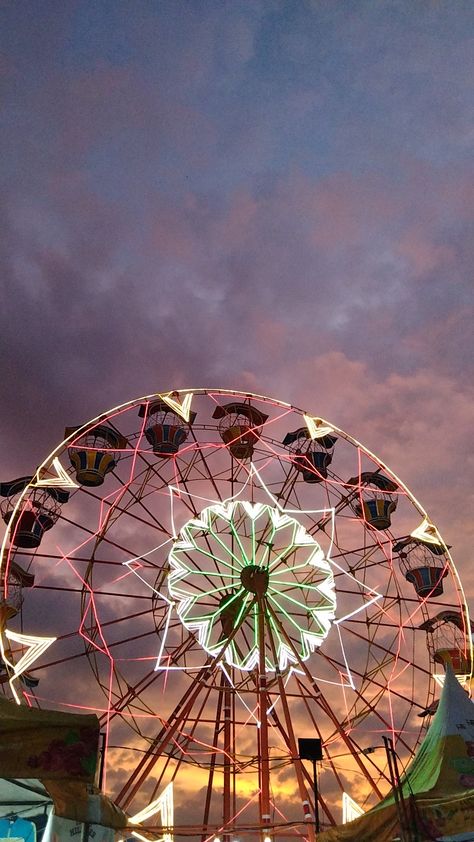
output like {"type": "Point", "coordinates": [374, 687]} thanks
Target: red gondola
{"type": "Point", "coordinates": [421, 568]}
{"type": "Point", "coordinates": [38, 511]}
{"type": "Point", "coordinates": [240, 427]}
{"type": "Point", "coordinates": [310, 456]}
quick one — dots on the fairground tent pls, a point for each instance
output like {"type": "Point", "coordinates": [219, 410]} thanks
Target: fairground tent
{"type": "Point", "coordinates": [51, 757]}
{"type": "Point", "coordinates": [26, 798]}
{"type": "Point", "coordinates": [438, 785]}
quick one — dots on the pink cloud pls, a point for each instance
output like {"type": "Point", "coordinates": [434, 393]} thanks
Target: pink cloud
{"type": "Point", "coordinates": [423, 255]}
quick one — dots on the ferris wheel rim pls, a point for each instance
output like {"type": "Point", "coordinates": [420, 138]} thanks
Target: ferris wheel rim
{"type": "Point", "coordinates": [227, 393]}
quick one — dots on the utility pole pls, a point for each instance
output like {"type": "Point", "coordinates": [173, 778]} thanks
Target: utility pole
{"type": "Point", "coordinates": [311, 749]}
{"type": "Point", "coordinates": [407, 821]}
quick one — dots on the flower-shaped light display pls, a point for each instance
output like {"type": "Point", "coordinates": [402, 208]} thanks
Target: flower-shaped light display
{"type": "Point", "coordinates": [246, 575]}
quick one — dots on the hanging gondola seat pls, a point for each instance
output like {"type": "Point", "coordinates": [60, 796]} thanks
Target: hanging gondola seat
{"type": "Point", "coordinates": [165, 430]}
{"type": "Point", "coordinates": [92, 466]}
{"type": "Point", "coordinates": [423, 569]}
{"type": "Point", "coordinates": [37, 514]}
{"type": "Point", "coordinates": [375, 503]}
{"type": "Point", "coordinates": [29, 525]}
{"type": "Point", "coordinates": [377, 512]}
{"type": "Point", "coordinates": [241, 440]}
{"type": "Point", "coordinates": [240, 428]}
{"type": "Point", "coordinates": [93, 455]}
{"type": "Point", "coordinates": [456, 658]}
{"type": "Point", "coordinates": [12, 582]}
{"type": "Point", "coordinates": [165, 439]}
{"type": "Point", "coordinates": [427, 581]}
{"type": "Point", "coordinates": [312, 462]}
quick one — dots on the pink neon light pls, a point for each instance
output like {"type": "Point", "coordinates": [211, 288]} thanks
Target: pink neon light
{"type": "Point", "coordinates": [249, 802]}
{"type": "Point", "coordinates": [282, 815]}
{"type": "Point", "coordinates": [94, 709]}
{"type": "Point", "coordinates": [105, 650]}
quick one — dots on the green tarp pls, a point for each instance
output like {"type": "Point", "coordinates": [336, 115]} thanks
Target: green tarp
{"type": "Point", "coordinates": [439, 781]}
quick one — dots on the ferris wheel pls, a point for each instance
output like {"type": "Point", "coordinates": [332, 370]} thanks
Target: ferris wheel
{"type": "Point", "coordinates": [217, 574]}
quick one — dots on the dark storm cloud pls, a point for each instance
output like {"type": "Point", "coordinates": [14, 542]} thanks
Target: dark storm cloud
{"type": "Point", "coordinates": [264, 195]}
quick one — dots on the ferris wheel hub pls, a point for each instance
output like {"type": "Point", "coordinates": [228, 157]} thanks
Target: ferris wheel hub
{"type": "Point", "coordinates": [255, 579]}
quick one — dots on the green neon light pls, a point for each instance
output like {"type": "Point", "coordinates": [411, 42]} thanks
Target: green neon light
{"type": "Point", "coordinates": [225, 547]}
{"type": "Point", "coordinates": [237, 536]}
{"type": "Point", "coordinates": [211, 555]}
{"type": "Point", "coordinates": [287, 615]}
{"type": "Point", "coordinates": [255, 624]}
{"type": "Point", "coordinates": [242, 610]}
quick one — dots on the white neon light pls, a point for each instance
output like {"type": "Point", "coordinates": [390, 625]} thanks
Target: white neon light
{"type": "Point", "coordinates": [357, 610]}
{"type": "Point", "coordinates": [242, 700]}
{"type": "Point", "coordinates": [317, 427]}
{"type": "Point", "coordinates": [129, 563]}
{"type": "Point", "coordinates": [350, 680]}
{"type": "Point", "coordinates": [464, 680]}
{"type": "Point", "coordinates": [427, 532]}
{"type": "Point", "coordinates": [168, 668]}
{"type": "Point", "coordinates": [60, 480]}
{"type": "Point", "coordinates": [223, 505]}
{"type": "Point", "coordinates": [291, 671]}
{"type": "Point", "coordinates": [182, 572]}
{"type": "Point", "coordinates": [183, 409]}
{"type": "Point", "coordinates": [225, 509]}
{"type": "Point", "coordinates": [163, 805]}
{"type": "Point", "coordinates": [350, 809]}
{"type": "Point", "coordinates": [35, 648]}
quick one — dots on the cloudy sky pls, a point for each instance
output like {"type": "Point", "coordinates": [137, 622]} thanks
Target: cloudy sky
{"type": "Point", "coordinates": [273, 195]}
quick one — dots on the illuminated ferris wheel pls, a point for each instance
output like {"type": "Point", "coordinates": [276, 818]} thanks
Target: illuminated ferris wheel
{"type": "Point", "coordinates": [217, 574]}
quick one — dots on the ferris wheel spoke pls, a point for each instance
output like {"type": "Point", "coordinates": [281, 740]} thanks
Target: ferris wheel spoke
{"type": "Point", "coordinates": [208, 473]}
{"type": "Point", "coordinates": [149, 521]}
{"type": "Point", "coordinates": [382, 648]}
{"type": "Point", "coordinates": [183, 740]}
{"type": "Point", "coordinates": [93, 534]}
{"type": "Point", "coordinates": [355, 747]}
{"type": "Point", "coordinates": [319, 698]}
{"type": "Point", "coordinates": [147, 763]}
{"type": "Point", "coordinates": [289, 736]}
{"type": "Point", "coordinates": [149, 760]}
{"type": "Point", "coordinates": [150, 678]}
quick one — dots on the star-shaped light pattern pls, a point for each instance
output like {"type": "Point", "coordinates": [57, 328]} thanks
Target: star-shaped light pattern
{"type": "Point", "coordinates": [163, 805]}
{"type": "Point", "coordinates": [221, 561]}
{"type": "Point", "coordinates": [35, 646]}
{"type": "Point", "coordinates": [287, 654]}
{"type": "Point", "coordinates": [350, 809]}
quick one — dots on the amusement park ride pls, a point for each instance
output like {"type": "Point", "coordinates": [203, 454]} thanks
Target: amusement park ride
{"type": "Point", "coordinates": [218, 575]}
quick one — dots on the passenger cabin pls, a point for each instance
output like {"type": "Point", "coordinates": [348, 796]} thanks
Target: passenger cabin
{"type": "Point", "coordinates": [375, 500]}
{"type": "Point", "coordinates": [311, 457]}
{"type": "Point", "coordinates": [240, 428]}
